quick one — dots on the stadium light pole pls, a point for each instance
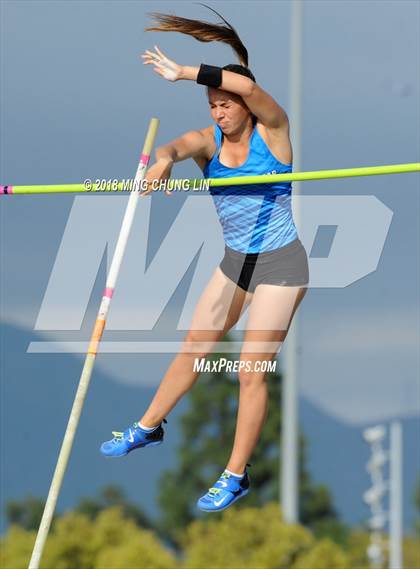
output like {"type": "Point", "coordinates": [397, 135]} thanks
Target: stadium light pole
{"type": "Point", "coordinates": [395, 497]}
{"type": "Point", "coordinates": [289, 460]}
{"type": "Point", "coordinates": [375, 494]}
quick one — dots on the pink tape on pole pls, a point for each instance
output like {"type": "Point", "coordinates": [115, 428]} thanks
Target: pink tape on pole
{"type": "Point", "coordinates": [144, 158]}
{"type": "Point", "coordinates": [109, 292]}
{"type": "Point", "coordinates": [6, 189]}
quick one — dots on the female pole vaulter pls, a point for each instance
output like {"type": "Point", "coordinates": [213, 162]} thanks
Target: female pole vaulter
{"type": "Point", "coordinates": [265, 265]}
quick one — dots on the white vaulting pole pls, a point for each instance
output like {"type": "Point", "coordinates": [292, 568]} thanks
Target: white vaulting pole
{"type": "Point", "coordinates": [290, 416]}
{"type": "Point", "coordinates": [92, 350]}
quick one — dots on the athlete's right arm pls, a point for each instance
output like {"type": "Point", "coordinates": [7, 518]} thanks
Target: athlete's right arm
{"type": "Point", "coordinates": [192, 144]}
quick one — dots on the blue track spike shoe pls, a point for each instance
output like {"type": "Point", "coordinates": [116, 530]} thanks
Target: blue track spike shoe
{"type": "Point", "coordinates": [132, 438]}
{"type": "Point", "coordinates": [224, 493]}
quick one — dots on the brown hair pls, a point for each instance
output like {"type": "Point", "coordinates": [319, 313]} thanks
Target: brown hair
{"type": "Point", "coordinates": [206, 32]}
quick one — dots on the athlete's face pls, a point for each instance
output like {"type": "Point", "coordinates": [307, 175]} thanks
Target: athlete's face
{"type": "Point", "coordinates": [227, 110]}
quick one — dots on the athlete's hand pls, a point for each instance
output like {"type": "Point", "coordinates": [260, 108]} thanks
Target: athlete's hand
{"type": "Point", "coordinates": [163, 65]}
{"type": "Point", "coordinates": [160, 170]}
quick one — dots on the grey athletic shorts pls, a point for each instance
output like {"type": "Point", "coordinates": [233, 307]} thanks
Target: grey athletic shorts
{"type": "Point", "coordinates": [286, 266]}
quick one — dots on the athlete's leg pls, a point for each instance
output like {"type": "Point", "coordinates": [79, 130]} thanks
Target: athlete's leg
{"type": "Point", "coordinates": [270, 315]}
{"type": "Point", "coordinates": [219, 308]}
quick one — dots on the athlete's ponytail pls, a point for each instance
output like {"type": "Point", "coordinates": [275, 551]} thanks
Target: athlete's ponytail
{"type": "Point", "coordinates": [206, 32]}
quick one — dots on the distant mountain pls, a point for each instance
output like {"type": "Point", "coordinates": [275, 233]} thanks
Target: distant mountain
{"type": "Point", "coordinates": [37, 392]}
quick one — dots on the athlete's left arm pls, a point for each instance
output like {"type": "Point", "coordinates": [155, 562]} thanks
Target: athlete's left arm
{"type": "Point", "coordinates": [258, 101]}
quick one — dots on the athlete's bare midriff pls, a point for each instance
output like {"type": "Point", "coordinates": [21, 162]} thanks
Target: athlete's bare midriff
{"type": "Point", "coordinates": [234, 155]}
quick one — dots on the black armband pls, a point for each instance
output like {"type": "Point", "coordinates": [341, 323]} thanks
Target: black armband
{"type": "Point", "coordinates": [210, 75]}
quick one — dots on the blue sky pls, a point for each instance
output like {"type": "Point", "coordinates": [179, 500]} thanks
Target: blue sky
{"type": "Point", "coordinates": [75, 104]}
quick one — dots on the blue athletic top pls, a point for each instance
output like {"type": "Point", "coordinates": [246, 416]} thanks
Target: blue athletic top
{"type": "Point", "coordinates": [258, 217]}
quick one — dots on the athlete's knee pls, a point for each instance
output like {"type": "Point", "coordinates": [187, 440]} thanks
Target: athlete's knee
{"type": "Point", "coordinates": [253, 369]}
{"type": "Point", "coordinates": [199, 342]}
{"type": "Point", "coordinates": [252, 372]}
